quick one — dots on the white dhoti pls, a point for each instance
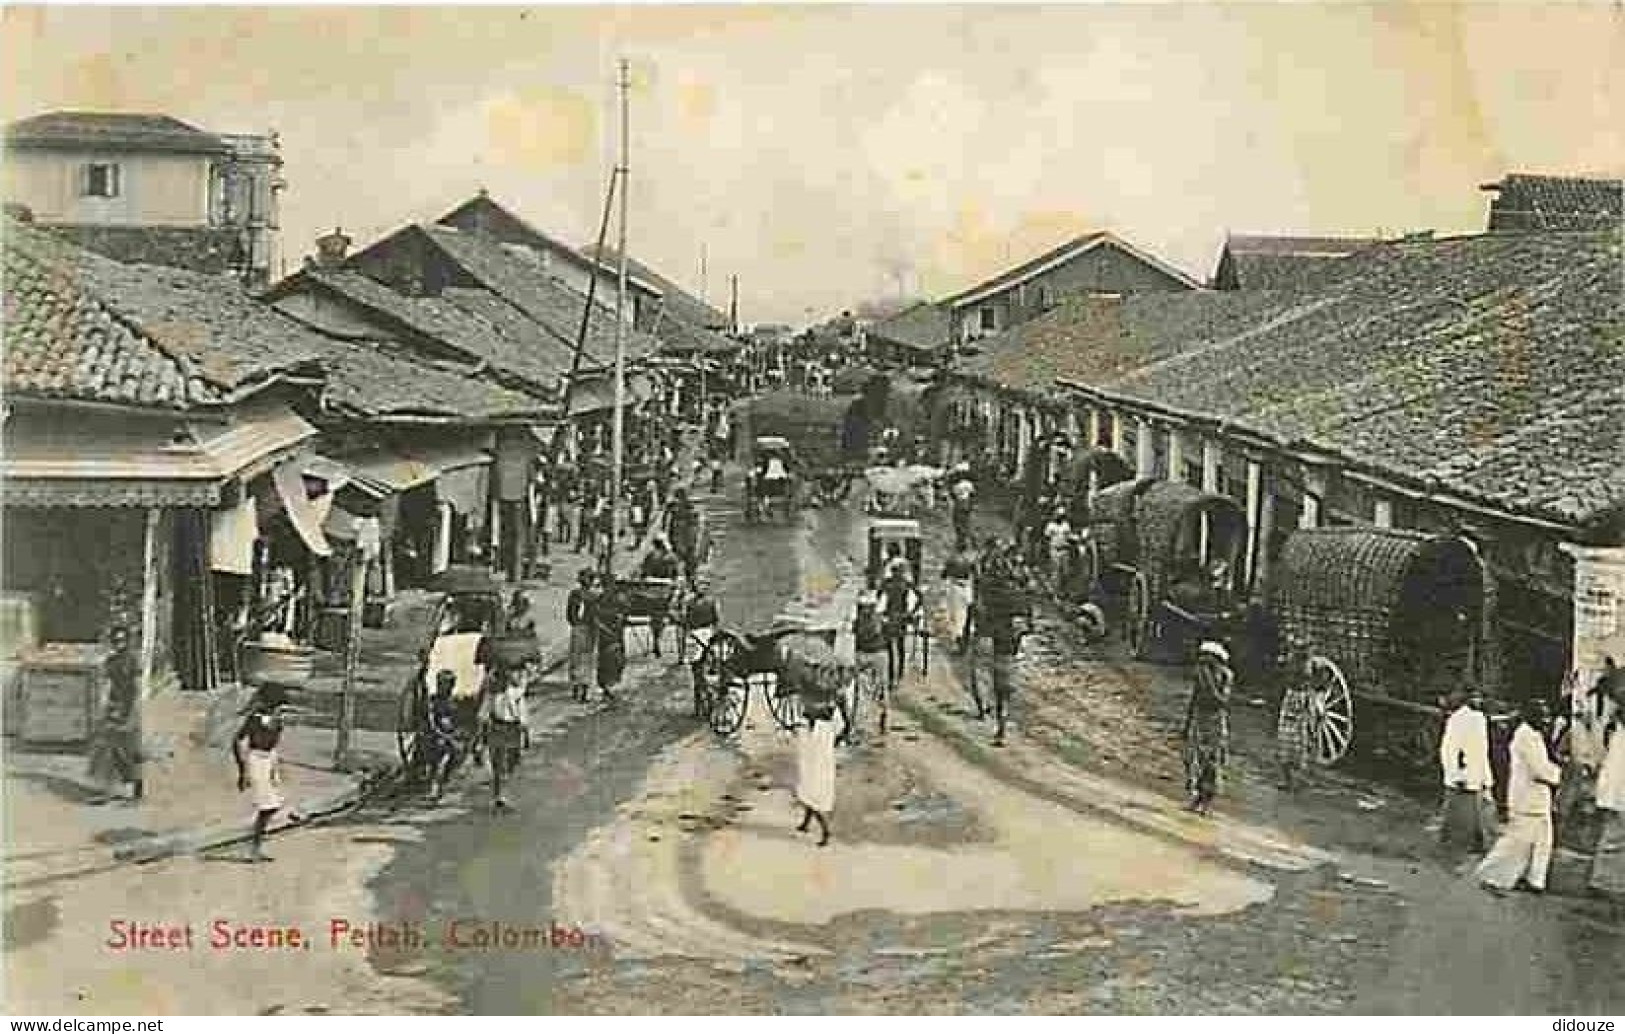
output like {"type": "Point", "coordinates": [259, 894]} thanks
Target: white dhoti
{"type": "Point", "coordinates": [264, 787]}
{"type": "Point", "coordinates": [815, 767]}
{"type": "Point", "coordinates": [956, 601]}
{"type": "Point", "coordinates": [1523, 851]}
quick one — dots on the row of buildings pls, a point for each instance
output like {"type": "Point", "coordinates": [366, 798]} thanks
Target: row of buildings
{"type": "Point", "coordinates": [1471, 384]}
{"type": "Point", "coordinates": [199, 454]}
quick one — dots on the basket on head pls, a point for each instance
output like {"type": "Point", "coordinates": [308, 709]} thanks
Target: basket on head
{"type": "Point", "coordinates": [813, 670]}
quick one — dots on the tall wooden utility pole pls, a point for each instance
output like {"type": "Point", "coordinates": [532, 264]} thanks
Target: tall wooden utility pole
{"type": "Point", "coordinates": [618, 465]}
{"type": "Point", "coordinates": [592, 291]}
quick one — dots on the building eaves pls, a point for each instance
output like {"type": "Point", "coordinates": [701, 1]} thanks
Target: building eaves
{"type": "Point", "coordinates": [102, 130]}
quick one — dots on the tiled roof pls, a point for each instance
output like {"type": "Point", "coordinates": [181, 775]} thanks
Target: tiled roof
{"type": "Point", "coordinates": [1528, 202]}
{"type": "Point", "coordinates": [1495, 365]}
{"type": "Point", "coordinates": [482, 215]}
{"type": "Point", "coordinates": [1252, 262]}
{"type": "Point", "coordinates": [81, 326]}
{"type": "Point", "coordinates": [371, 379]}
{"type": "Point", "coordinates": [678, 337]}
{"type": "Point", "coordinates": [203, 249]}
{"type": "Point", "coordinates": [922, 326]}
{"type": "Point", "coordinates": [1094, 340]}
{"type": "Point", "coordinates": [458, 321]}
{"type": "Point", "coordinates": [677, 302]}
{"type": "Point", "coordinates": [547, 302]}
{"type": "Point", "coordinates": [108, 129]}
{"type": "Point", "coordinates": [1315, 247]}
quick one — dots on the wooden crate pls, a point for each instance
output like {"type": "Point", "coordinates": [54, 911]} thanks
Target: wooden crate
{"type": "Point", "coordinates": [19, 633]}
{"type": "Point", "coordinates": [63, 691]}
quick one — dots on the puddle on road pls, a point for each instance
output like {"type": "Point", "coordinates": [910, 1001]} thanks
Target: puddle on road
{"type": "Point", "coordinates": [1046, 858]}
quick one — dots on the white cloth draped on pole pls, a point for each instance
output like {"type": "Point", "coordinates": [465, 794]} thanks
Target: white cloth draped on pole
{"type": "Point", "coordinates": [232, 531]}
{"type": "Point", "coordinates": [303, 514]}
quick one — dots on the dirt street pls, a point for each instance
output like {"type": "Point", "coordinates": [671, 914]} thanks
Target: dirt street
{"type": "Point", "coordinates": [651, 866]}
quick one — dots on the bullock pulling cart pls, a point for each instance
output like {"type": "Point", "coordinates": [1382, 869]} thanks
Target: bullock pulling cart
{"type": "Point", "coordinates": [1381, 623]}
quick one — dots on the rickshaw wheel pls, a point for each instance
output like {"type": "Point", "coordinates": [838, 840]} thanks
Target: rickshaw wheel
{"type": "Point", "coordinates": [784, 703]}
{"type": "Point", "coordinates": [1138, 624]}
{"type": "Point", "coordinates": [1331, 710]}
{"type": "Point", "coordinates": [727, 695]}
{"type": "Point", "coordinates": [728, 705]}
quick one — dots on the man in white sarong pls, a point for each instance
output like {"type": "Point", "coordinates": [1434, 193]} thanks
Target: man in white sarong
{"type": "Point", "coordinates": [815, 767]}
{"type": "Point", "coordinates": [1523, 853]}
{"type": "Point", "coordinates": [1464, 759]}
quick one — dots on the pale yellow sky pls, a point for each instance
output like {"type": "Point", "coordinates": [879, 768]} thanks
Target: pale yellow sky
{"type": "Point", "coordinates": [829, 153]}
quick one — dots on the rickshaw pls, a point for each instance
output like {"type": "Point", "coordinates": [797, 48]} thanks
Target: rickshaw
{"type": "Point", "coordinates": [830, 485]}
{"type": "Point", "coordinates": [733, 663]}
{"type": "Point", "coordinates": [654, 604]}
{"type": "Point", "coordinates": [772, 478]}
{"type": "Point", "coordinates": [468, 637]}
{"type": "Point", "coordinates": [1381, 623]}
{"type": "Point", "coordinates": [1167, 558]}
{"type": "Point", "coordinates": [899, 539]}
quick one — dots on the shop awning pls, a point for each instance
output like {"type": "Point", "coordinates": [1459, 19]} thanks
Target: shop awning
{"type": "Point", "coordinates": [398, 471]}
{"type": "Point", "coordinates": [147, 466]}
{"type": "Point", "coordinates": [305, 514]}
{"type": "Point", "coordinates": [596, 396]}
{"type": "Point", "coordinates": [591, 398]}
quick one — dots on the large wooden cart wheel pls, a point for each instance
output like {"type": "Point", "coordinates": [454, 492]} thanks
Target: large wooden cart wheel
{"type": "Point", "coordinates": [727, 693]}
{"type": "Point", "coordinates": [1331, 710]}
{"type": "Point", "coordinates": [785, 703]}
{"type": "Point", "coordinates": [1137, 622]}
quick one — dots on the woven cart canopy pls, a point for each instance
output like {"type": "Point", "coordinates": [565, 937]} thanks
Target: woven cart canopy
{"type": "Point", "coordinates": [1108, 467]}
{"type": "Point", "coordinates": [1401, 612]}
{"type": "Point", "coordinates": [1167, 521]}
{"type": "Point", "coordinates": [1111, 519]}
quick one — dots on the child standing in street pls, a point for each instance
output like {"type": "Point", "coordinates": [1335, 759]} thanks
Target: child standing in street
{"type": "Point", "coordinates": [259, 766]}
{"type": "Point", "coordinates": [445, 751]}
{"type": "Point", "coordinates": [504, 721]}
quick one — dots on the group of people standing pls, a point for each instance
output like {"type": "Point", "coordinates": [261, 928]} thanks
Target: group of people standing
{"type": "Point", "coordinates": [1564, 774]}
{"type": "Point", "coordinates": [571, 503]}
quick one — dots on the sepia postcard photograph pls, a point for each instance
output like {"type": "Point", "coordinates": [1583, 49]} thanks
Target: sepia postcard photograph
{"type": "Point", "coordinates": [1108, 509]}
